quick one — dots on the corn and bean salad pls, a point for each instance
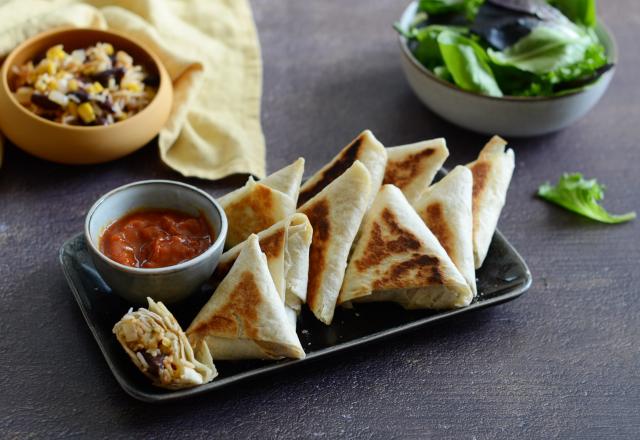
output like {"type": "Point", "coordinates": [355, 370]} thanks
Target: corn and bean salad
{"type": "Point", "coordinates": [93, 86]}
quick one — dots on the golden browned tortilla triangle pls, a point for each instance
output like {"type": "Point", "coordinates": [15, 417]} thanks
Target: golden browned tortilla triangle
{"type": "Point", "coordinates": [398, 259]}
{"type": "Point", "coordinates": [286, 246]}
{"type": "Point", "coordinates": [412, 167]}
{"type": "Point", "coordinates": [245, 318]}
{"type": "Point", "coordinates": [258, 205]}
{"type": "Point", "coordinates": [365, 148]}
{"type": "Point", "coordinates": [335, 214]}
{"type": "Point", "coordinates": [492, 173]}
{"type": "Point", "coordinates": [287, 180]}
{"type": "Point", "coordinates": [445, 207]}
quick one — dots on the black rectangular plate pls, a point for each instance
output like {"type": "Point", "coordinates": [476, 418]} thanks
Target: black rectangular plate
{"type": "Point", "coordinates": [503, 277]}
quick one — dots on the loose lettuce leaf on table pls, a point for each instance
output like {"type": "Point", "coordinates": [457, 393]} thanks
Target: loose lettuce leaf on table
{"type": "Point", "coordinates": [581, 196]}
{"type": "Point", "coordinates": [467, 63]}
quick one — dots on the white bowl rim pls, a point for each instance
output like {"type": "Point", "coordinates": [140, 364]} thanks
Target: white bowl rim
{"type": "Point", "coordinates": [613, 56]}
{"type": "Point", "coordinates": [219, 241]}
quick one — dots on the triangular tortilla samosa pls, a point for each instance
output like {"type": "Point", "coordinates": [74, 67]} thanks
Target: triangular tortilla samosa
{"type": "Point", "coordinates": [492, 173]}
{"type": "Point", "coordinates": [399, 259]}
{"type": "Point", "coordinates": [286, 245]}
{"type": "Point", "coordinates": [287, 180]}
{"type": "Point", "coordinates": [258, 205]}
{"type": "Point", "coordinates": [245, 317]}
{"type": "Point", "coordinates": [365, 148]}
{"type": "Point", "coordinates": [335, 214]}
{"type": "Point", "coordinates": [412, 167]}
{"type": "Point", "coordinates": [445, 207]}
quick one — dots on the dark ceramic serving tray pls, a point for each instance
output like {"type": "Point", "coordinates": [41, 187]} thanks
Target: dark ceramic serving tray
{"type": "Point", "coordinates": [503, 277]}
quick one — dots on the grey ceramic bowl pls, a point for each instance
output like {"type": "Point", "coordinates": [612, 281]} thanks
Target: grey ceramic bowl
{"type": "Point", "coordinates": [506, 116]}
{"type": "Point", "coordinates": [166, 284]}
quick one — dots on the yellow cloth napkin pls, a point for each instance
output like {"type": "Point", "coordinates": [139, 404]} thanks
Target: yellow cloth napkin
{"type": "Point", "coordinates": [211, 51]}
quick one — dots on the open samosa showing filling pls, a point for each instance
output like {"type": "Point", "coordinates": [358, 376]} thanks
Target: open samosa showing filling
{"type": "Point", "coordinates": [286, 246]}
{"type": "Point", "coordinates": [335, 214]}
{"type": "Point", "coordinates": [492, 173]}
{"type": "Point", "coordinates": [412, 167]}
{"type": "Point", "coordinates": [398, 259]}
{"type": "Point", "coordinates": [157, 345]}
{"type": "Point", "coordinates": [445, 207]}
{"type": "Point", "coordinates": [364, 148]}
{"type": "Point", "coordinates": [258, 205]}
{"type": "Point", "coordinates": [245, 318]}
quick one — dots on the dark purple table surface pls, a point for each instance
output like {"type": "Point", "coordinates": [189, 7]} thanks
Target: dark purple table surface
{"type": "Point", "coordinates": [561, 361]}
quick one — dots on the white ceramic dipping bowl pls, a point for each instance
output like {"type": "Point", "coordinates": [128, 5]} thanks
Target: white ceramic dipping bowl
{"type": "Point", "coordinates": [506, 116]}
{"type": "Point", "coordinates": [167, 284]}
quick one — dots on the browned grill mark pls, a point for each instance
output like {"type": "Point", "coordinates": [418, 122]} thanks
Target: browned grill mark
{"type": "Point", "coordinates": [433, 216]}
{"type": "Point", "coordinates": [402, 172]}
{"type": "Point", "coordinates": [238, 315]}
{"type": "Point", "coordinates": [251, 214]}
{"type": "Point", "coordinates": [419, 270]}
{"type": "Point", "coordinates": [388, 238]}
{"type": "Point", "coordinates": [272, 246]}
{"type": "Point", "coordinates": [480, 171]}
{"type": "Point", "coordinates": [343, 161]}
{"type": "Point", "coordinates": [318, 214]}
{"type": "Point", "coordinates": [378, 248]}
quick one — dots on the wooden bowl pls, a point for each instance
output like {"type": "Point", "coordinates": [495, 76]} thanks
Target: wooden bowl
{"type": "Point", "coordinates": [70, 144]}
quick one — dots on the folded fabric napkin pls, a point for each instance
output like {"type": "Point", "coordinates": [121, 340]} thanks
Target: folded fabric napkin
{"type": "Point", "coordinates": [211, 51]}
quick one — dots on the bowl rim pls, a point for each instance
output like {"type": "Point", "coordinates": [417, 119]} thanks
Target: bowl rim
{"type": "Point", "coordinates": [411, 9]}
{"type": "Point", "coordinates": [217, 243]}
{"type": "Point", "coordinates": [7, 64]}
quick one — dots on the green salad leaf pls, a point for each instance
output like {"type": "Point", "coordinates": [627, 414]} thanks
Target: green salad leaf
{"type": "Point", "coordinates": [544, 50]}
{"type": "Point", "coordinates": [467, 63]}
{"type": "Point", "coordinates": [565, 79]}
{"type": "Point", "coordinates": [436, 7]}
{"type": "Point", "coordinates": [424, 43]}
{"type": "Point", "coordinates": [542, 55]}
{"type": "Point", "coordinates": [426, 49]}
{"type": "Point", "coordinates": [581, 196]}
{"type": "Point", "coordinates": [578, 11]}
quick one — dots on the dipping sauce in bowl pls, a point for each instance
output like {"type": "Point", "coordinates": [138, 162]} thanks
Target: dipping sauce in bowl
{"type": "Point", "coordinates": [155, 238]}
{"type": "Point", "coordinates": [168, 235]}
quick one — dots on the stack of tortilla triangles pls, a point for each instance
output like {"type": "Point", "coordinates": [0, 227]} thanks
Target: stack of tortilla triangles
{"type": "Point", "coordinates": [417, 245]}
{"type": "Point", "coordinates": [286, 246]}
{"type": "Point", "coordinates": [258, 205]}
{"type": "Point", "coordinates": [369, 226]}
{"type": "Point", "coordinates": [245, 318]}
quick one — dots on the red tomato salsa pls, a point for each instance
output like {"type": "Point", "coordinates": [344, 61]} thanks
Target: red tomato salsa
{"type": "Point", "coordinates": [156, 238]}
